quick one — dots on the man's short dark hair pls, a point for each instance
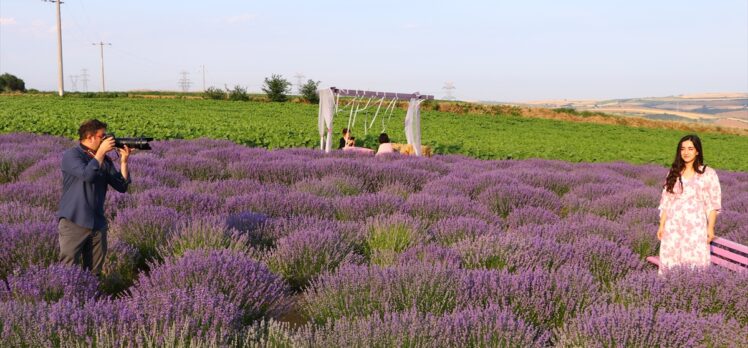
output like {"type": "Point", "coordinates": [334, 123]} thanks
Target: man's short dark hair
{"type": "Point", "coordinates": [90, 127]}
{"type": "Point", "coordinates": [345, 130]}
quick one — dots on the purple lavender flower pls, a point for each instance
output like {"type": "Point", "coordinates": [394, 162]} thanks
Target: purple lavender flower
{"type": "Point", "coordinates": [199, 312]}
{"type": "Point", "coordinates": [514, 253]}
{"type": "Point", "coordinates": [544, 299]}
{"type": "Point", "coordinates": [50, 284]}
{"type": "Point", "coordinates": [606, 326]}
{"type": "Point", "coordinates": [304, 254]}
{"type": "Point", "coordinates": [231, 187]}
{"type": "Point", "coordinates": [360, 290]}
{"type": "Point", "coordinates": [60, 324]}
{"type": "Point", "coordinates": [154, 168]}
{"type": "Point", "coordinates": [276, 204]}
{"type": "Point", "coordinates": [361, 207]}
{"type": "Point", "coordinates": [473, 327]}
{"type": "Point", "coordinates": [281, 172]}
{"type": "Point", "coordinates": [737, 204]}
{"type": "Point", "coordinates": [209, 232]}
{"type": "Point", "coordinates": [710, 291]}
{"type": "Point", "coordinates": [18, 212]}
{"type": "Point", "coordinates": [243, 280]}
{"type": "Point", "coordinates": [252, 225]}
{"type": "Point", "coordinates": [530, 215]}
{"type": "Point", "coordinates": [44, 168]}
{"type": "Point", "coordinates": [449, 185]}
{"type": "Point", "coordinates": [26, 244]}
{"type": "Point", "coordinates": [38, 195]}
{"type": "Point", "coordinates": [145, 228]}
{"type": "Point", "coordinates": [454, 229]}
{"type": "Point", "coordinates": [14, 160]}
{"type": "Point", "coordinates": [431, 254]}
{"type": "Point", "coordinates": [607, 261]}
{"type": "Point", "coordinates": [430, 208]}
{"type": "Point", "coordinates": [577, 226]}
{"type": "Point", "coordinates": [738, 235]}
{"type": "Point", "coordinates": [331, 186]}
{"type": "Point", "coordinates": [120, 267]}
{"type": "Point", "coordinates": [197, 168]}
{"type": "Point", "coordinates": [392, 233]}
{"type": "Point", "coordinates": [182, 201]}
{"type": "Point", "coordinates": [502, 199]}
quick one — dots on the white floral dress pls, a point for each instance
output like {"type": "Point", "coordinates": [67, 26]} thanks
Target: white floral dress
{"type": "Point", "coordinates": [684, 241]}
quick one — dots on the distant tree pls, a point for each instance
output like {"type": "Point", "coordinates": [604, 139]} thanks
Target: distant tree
{"type": "Point", "coordinates": [309, 91]}
{"type": "Point", "coordinates": [239, 93]}
{"type": "Point", "coordinates": [277, 88]}
{"type": "Point", "coordinates": [215, 93]}
{"type": "Point", "coordinates": [11, 83]}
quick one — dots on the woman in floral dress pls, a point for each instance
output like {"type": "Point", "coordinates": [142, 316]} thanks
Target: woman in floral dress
{"type": "Point", "coordinates": [691, 199]}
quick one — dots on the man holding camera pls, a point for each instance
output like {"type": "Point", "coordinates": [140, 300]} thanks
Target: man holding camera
{"type": "Point", "coordinates": [86, 175]}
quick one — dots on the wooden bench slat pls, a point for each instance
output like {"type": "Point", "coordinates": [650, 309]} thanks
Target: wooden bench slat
{"type": "Point", "coordinates": [729, 255]}
{"type": "Point", "coordinates": [715, 260]}
{"type": "Point", "coordinates": [727, 264]}
{"type": "Point", "coordinates": [730, 244]}
{"type": "Point", "coordinates": [654, 259]}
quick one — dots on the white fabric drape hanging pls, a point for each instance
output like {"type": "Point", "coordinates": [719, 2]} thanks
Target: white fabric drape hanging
{"type": "Point", "coordinates": [324, 119]}
{"type": "Point", "coordinates": [413, 125]}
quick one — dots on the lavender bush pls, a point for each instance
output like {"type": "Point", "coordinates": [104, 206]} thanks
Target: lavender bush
{"type": "Point", "coordinates": [544, 299]}
{"type": "Point", "coordinates": [27, 244]}
{"type": "Point", "coordinates": [120, 267]}
{"type": "Point", "coordinates": [217, 244]}
{"type": "Point", "coordinates": [360, 290]}
{"type": "Point", "coordinates": [50, 284]}
{"type": "Point", "coordinates": [393, 233]}
{"type": "Point", "coordinates": [616, 326]}
{"type": "Point", "coordinates": [303, 255]}
{"type": "Point", "coordinates": [710, 291]}
{"type": "Point", "coordinates": [473, 327]}
{"type": "Point", "coordinates": [145, 228]}
{"type": "Point", "coordinates": [243, 280]}
{"type": "Point", "coordinates": [209, 232]}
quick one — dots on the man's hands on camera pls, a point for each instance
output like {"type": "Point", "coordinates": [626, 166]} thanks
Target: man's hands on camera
{"type": "Point", "coordinates": [107, 144]}
{"type": "Point", "coordinates": [124, 153]}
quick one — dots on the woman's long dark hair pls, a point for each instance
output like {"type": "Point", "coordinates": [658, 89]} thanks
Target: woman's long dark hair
{"type": "Point", "coordinates": [678, 164]}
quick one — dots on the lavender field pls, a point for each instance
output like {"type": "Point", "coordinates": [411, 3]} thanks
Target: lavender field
{"type": "Point", "coordinates": [218, 244]}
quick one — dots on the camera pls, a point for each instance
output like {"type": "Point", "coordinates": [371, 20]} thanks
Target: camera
{"type": "Point", "coordinates": [141, 143]}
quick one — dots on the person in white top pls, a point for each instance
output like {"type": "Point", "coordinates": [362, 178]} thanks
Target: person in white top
{"type": "Point", "coordinates": [385, 146]}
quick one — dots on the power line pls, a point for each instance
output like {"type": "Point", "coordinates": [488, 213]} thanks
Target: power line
{"type": "Point", "coordinates": [74, 82]}
{"type": "Point", "coordinates": [101, 46]}
{"type": "Point", "coordinates": [184, 82]}
{"type": "Point", "coordinates": [299, 80]}
{"type": "Point", "coordinates": [203, 67]}
{"type": "Point", "coordinates": [83, 79]}
{"type": "Point", "coordinates": [448, 88]}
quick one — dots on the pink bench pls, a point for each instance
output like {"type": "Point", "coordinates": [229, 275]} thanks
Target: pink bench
{"type": "Point", "coordinates": [725, 253]}
{"type": "Point", "coordinates": [360, 150]}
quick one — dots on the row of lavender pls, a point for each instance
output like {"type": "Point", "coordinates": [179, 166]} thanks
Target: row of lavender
{"type": "Point", "coordinates": [218, 244]}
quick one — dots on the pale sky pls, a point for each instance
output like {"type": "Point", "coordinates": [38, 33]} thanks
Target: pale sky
{"type": "Point", "coordinates": [490, 50]}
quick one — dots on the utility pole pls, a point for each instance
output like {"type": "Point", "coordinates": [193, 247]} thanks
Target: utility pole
{"type": "Point", "coordinates": [203, 66]}
{"type": "Point", "coordinates": [299, 78]}
{"type": "Point", "coordinates": [184, 82]}
{"type": "Point", "coordinates": [83, 78]}
{"type": "Point", "coordinates": [74, 82]}
{"type": "Point", "coordinates": [101, 46]}
{"type": "Point", "coordinates": [60, 78]}
{"type": "Point", "coordinates": [448, 88]}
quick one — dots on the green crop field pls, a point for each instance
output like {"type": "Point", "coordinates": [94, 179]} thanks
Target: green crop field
{"type": "Point", "coordinates": [280, 125]}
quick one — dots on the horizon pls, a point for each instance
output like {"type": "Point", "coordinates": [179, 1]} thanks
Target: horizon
{"type": "Point", "coordinates": [575, 51]}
